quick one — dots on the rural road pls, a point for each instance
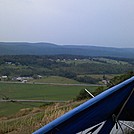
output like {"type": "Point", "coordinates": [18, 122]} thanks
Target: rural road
{"type": "Point", "coordinates": [38, 101]}
{"type": "Point", "coordinates": [60, 84]}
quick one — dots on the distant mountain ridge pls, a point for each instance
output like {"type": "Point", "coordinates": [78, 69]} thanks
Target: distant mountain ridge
{"type": "Point", "coordinates": [25, 48]}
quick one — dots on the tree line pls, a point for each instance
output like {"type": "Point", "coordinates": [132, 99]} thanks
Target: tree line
{"type": "Point", "coordinates": [28, 65]}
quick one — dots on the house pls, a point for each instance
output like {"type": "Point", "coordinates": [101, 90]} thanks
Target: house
{"type": "Point", "coordinates": [4, 77]}
{"type": "Point", "coordinates": [19, 79]}
{"type": "Point", "coordinates": [22, 78]}
{"type": "Point", "coordinates": [39, 76]}
{"type": "Point", "coordinates": [24, 81]}
{"type": "Point", "coordinates": [105, 81]}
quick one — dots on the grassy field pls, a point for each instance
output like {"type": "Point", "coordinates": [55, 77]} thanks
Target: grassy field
{"type": "Point", "coordinates": [82, 61]}
{"type": "Point", "coordinates": [95, 60]}
{"type": "Point", "coordinates": [28, 120]}
{"type": "Point", "coordinates": [55, 79]}
{"type": "Point", "coordinates": [35, 91]}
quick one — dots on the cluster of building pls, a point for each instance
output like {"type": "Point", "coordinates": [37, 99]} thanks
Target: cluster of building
{"type": "Point", "coordinates": [20, 79]}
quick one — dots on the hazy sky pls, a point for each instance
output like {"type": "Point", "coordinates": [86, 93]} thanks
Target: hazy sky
{"type": "Point", "coordinates": [93, 22]}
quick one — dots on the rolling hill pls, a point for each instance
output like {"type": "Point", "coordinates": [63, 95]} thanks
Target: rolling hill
{"type": "Point", "coordinates": [25, 48]}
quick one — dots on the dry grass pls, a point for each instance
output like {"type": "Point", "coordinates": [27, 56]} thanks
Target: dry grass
{"type": "Point", "coordinates": [28, 120]}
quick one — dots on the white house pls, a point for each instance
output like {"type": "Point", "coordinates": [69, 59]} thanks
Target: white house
{"type": "Point", "coordinates": [4, 77]}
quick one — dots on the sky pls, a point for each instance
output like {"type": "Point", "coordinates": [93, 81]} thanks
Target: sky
{"type": "Point", "coordinates": [107, 23]}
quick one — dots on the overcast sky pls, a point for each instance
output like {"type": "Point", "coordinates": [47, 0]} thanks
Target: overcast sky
{"type": "Point", "coordinates": [86, 22]}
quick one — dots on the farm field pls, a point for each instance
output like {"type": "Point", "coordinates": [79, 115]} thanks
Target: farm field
{"type": "Point", "coordinates": [35, 92]}
{"type": "Point", "coordinates": [95, 60]}
{"type": "Point", "coordinates": [55, 79]}
{"type": "Point", "coordinates": [28, 117]}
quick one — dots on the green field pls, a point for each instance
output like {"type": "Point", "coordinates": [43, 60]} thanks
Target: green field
{"type": "Point", "coordinates": [80, 61]}
{"type": "Point", "coordinates": [35, 91]}
{"type": "Point", "coordinates": [96, 60]}
{"type": "Point", "coordinates": [55, 79]}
